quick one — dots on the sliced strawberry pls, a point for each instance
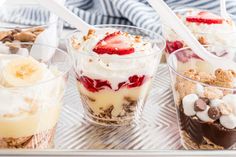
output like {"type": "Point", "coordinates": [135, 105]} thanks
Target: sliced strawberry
{"type": "Point", "coordinates": [205, 17]}
{"type": "Point", "coordinates": [172, 46]}
{"type": "Point", "coordinates": [116, 43]}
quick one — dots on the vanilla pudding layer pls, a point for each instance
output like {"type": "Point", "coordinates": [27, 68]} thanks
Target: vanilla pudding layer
{"type": "Point", "coordinates": [29, 124]}
{"type": "Point", "coordinates": [102, 100]}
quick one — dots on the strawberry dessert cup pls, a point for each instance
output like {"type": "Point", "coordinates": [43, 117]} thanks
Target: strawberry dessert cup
{"type": "Point", "coordinates": [207, 27]}
{"type": "Point", "coordinates": [205, 98]}
{"type": "Point", "coordinates": [114, 71]}
{"type": "Point", "coordinates": [31, 94]}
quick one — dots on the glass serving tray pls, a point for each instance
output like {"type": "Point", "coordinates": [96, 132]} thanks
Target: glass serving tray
{"type": "Point", "coordinates": [156, 135]}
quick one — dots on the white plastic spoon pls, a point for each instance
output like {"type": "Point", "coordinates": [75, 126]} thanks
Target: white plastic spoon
{"type": "Point", "coordinates": [48, 37]}
{"type": "Point", "coordinates": [223, 10]}
{"type": "Point", "coordinates": [68, 16]}
{"type": "Point", "coordinates": [176, 24]}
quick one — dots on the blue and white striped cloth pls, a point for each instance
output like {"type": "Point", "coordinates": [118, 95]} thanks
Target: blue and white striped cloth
{"type": "Point", "coordinates": [128, 12]}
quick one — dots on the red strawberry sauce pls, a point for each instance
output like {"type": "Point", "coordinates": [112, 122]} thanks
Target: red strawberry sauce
{"type": "Point", "coordinates": [95, 85]}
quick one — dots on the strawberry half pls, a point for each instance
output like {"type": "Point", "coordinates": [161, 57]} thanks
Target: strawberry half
{"type": "Point", "coordinates": [206, 18]}
{"type": "Point", "coordinates": [115, 43]}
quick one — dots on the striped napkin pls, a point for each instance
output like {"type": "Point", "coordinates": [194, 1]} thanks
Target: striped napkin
{"type": "Point", "coordinates": [127, 12]}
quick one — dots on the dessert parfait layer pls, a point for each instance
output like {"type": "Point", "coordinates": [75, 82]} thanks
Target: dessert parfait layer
{"type": "Point", "coordinates": [207, 27]}
{"type": "Point", "coordinates": [205, 99]}
{"type": "Point", "coordinates": [31, 94]}
{"type": "Point", "coordinates": [114, 71]}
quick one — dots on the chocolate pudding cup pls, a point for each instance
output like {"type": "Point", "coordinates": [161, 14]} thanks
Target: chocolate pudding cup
{"type": "Point", "coordinates": [205, 98]}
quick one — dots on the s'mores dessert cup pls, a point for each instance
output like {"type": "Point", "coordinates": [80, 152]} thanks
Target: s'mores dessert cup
{"type": "Point", "coordinates": [31, 94]}
{"type": "Point", "coordinates": [205, 98]}
{"type": "Point", "coordinates": [209, 29]}
{"type": "Point", "coordinates": [114, 71]}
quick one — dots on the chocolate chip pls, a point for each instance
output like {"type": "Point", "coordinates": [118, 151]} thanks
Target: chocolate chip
{"type": "Point", "coordinates": [200, 105]}
{"type": "Point", "coordinates": [214, 113]}
{"type": "Point", "coordinates": [207, 101]}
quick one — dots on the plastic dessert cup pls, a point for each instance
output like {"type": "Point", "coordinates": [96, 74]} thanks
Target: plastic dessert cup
{"type": "Point", "coordinates": [209, 28]}
{"type": "Point", "coordinates": [31, 94]}
{"type": "Point", "coordinates": [205, 99]}
{"type": "Point", "coordinates": [114, 81]}
{"type": "Point", "coordinates": [18, 24]}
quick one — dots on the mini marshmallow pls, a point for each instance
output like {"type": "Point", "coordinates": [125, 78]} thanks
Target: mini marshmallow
{"type": "Point", "coordinates": [230, 99]}
{"type": "Point", "coordinates": [204, 115]}
{"type": "Point", "coordinates": [200, 90]}
{"type": "Point", "coordinates": [216, 102]}
{"type": "Point", "coordinates": [188, 104]}
{"type": "Point", "coordinates": [228, 121]}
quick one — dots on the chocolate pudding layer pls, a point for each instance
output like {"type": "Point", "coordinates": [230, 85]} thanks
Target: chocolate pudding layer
{"type": "Point", "coordinates": [207, 114]}
{"type": "Point", "coordinates": [198, 131]}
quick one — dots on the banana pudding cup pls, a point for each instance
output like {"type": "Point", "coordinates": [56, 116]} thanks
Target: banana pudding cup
{"type": "Point", "coordinates": [205, 98]}
{"type": "Point", "coordinates": [114, 71]}
{"type": "Point", "coordinates": [208, 28]}
{"type": "Point", "coordinates": [31, 94]}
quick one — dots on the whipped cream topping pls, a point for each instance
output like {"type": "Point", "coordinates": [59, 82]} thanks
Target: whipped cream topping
{"type": "Point", "coordinates": [218, 34]}
{"type": "Point", "coordinates": [14, 100]}
{"type": "Point", "coordinates": [114, 68]}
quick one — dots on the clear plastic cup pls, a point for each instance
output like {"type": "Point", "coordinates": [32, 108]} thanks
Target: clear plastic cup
{"type": "Point", "coordinates": [29, 111]}
{"type": "Point", "coordinates": [205, 99]}
{"type": "Point", "coordinates": [221, 37]}
{"type": "Point", "coordinates": [113, 89]}
{"type": "Point", "coordinates": [27, 21]}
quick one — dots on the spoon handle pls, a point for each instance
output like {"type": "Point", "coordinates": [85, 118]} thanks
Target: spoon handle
{"type": "Point", "coordinates": [173, 21]}
{"type": "Point", "coordinates": [65, 14]}
{"type": "Point", "coordinates": [223, 10]}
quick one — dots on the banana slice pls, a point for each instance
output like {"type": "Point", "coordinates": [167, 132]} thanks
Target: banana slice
{"type": "Point", "coordinates": [22, 72]}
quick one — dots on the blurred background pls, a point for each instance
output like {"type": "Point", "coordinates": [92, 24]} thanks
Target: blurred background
{"type": "Point", "coordinates": [127, 12]}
